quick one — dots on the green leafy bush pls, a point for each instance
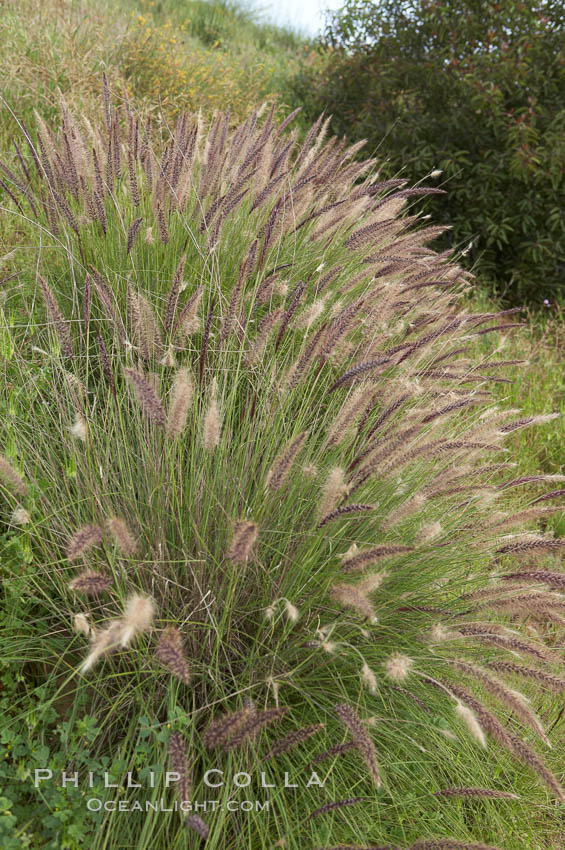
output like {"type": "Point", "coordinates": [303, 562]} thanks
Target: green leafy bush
{"type": "Point", "coordinates": [265, 494]}
{"type": "Point", "coordinates": [476, 90]}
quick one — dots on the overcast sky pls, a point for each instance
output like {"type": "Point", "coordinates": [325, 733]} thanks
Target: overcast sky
{"type": "Point", "coordinates": [304, 15]}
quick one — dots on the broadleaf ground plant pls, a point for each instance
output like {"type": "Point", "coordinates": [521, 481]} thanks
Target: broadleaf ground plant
{"type": "Point", "coordinates": [274, 524]}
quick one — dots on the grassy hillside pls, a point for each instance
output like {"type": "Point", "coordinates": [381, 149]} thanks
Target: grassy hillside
{"type": "Point", "coordinates": [170, 56]}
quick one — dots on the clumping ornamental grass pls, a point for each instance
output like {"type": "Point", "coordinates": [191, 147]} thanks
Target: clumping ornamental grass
{"type": "Point", "coordinates": [267, 493]}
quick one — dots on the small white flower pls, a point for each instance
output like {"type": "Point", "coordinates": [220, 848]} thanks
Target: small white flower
{"type": "Point", "coordinates": [437, 172]}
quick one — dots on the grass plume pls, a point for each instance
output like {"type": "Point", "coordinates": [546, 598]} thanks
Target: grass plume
{"type": "Point", "coordinates": [215, 382]}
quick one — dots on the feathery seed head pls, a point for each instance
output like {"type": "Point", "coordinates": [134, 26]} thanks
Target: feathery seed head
{"type": "Point", "coordinates": [125, 540]}
{"type": "Point", "coordinates": [137, 618]}
{"type": "Point", "coordinates": [369, 679]}
{"type": "Point", "coordinates": [361, 738]}
{"type": "Point", "coordinates": [82, 540]}
{"type": "Point", "coordinates": [372, 582]}
{"type": "Point", "coordinates": [146, 395]}
{"type": "Point", "coordinates": [90, 583]}
{"type": "Point", "coordinates": [11, 478]}
{"type": "Point", "coordinates": [292, 611]}
{"type": "Point", "coordinates": [280, 469]}
{"type": "Point", "coordinates": [168, 358]}
{"type": "Point", "coordinates": [398, 666]}
{"type": "Point", "coordinates": [196, 823]}
{"type": "Point", "coordinates": [212, 425]}
{"type": "Point", "coordinates": [170, 652]}
{"type": "Point", "coordinates": [20, 516]}
{"type": "Point", "coordinates": [102, 642]}
{"type": "Point", "coordinates": [179, 405]}
{"type": "Point", "coordinates": [351, 552]}
{"type": "Point", "coordinates": [438, 633]}
{"type": "Point", "coordinates": [81, 624]}
{"type": "Point", "coordinates": [293, 739]}
{"type": "Point", "coordinates": [350, 596]}
{"type": "Point", "coordinates": [78, 428]}
{"type": "Point", "coordinates": [243, 539]}
{"type": "Point", "coordinates": [178, 763]}
{"type": "Point", "coordinates": [470, 720]}
{"type": "Point", "coordinates": [335, 489]}
{"type": "Point", "coordinates": [429, 531]}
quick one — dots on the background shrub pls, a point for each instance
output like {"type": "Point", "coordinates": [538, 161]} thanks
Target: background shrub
{"type": "Point", "coordinates": [204, 55]}
{"type": "Point", "coordinates": [476, 90]}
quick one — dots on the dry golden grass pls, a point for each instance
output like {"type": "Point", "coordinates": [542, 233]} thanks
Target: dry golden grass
{"type": "Point", "coordinates": [51, 47]}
